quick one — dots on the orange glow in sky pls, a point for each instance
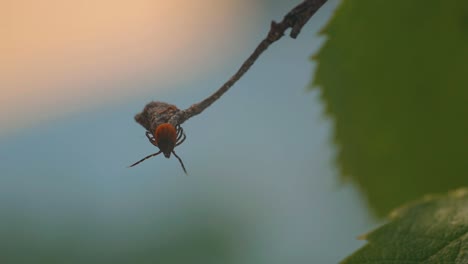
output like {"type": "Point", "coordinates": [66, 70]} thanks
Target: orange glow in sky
{"type": "Point", "coordinates": [62, 56]}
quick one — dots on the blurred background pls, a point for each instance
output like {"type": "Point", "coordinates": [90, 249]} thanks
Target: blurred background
{"type": "Point", "coordinates": [263, 184]}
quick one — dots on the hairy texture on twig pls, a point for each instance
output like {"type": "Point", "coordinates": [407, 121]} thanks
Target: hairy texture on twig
{"type": "Point", "coordinates": [154, 114]}
{"type": "Point", "coordinates": [295, 19]}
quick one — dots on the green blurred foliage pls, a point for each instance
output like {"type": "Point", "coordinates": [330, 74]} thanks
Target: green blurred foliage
{"type": "Point", "coordinates": [434, 230]}
{"type": "Point", "coordinates": [181, 238]}
{"type": "Point", "coordinates": [394, 78]}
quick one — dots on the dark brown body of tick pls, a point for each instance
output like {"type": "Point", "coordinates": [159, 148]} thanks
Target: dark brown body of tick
{"type": "Point", "coordinates": [165, 138]}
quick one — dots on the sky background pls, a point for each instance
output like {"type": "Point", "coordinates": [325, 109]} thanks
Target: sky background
{"type": "Point", "coordinates": [262, 186]}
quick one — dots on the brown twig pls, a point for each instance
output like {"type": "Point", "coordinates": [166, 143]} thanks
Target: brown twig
{"type": "Point", "coordinates": [295, 19]}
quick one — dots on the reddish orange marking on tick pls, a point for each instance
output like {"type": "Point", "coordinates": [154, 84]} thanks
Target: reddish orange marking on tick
{"type": "Point", "coordinates": [165, 132]}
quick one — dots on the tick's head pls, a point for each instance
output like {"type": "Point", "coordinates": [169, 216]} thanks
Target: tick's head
{"type": "Point", "coordinates": [166, 138]}
{"type": "Point", "coordinates": [166, 147]}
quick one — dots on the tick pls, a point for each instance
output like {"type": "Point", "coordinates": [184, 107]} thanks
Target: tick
{"type": "Point", "coordinates": [166, 137]}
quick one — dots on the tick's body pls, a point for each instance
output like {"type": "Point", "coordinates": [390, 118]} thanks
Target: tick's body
{"type": "Point", "coordinates": [166, 137]}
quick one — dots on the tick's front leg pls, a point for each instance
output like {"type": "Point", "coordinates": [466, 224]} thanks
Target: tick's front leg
{"type": "Point", "coordinates": [151, 138]}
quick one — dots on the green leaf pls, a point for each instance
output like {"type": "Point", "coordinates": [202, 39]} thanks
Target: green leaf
{"type": "Point", "coordinates": [434, 230]}
{"type": "Point", "coordinates": [394, 78]}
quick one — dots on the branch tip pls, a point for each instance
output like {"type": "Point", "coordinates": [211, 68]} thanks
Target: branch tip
{"type": "Point", "coordinates": [294, 19]}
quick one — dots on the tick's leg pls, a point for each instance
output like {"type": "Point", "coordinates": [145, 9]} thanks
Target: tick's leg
{"type": "Point", "coordinates": [181, 163]}
{"type": "Point", "coordinates": [151, 138]}
{"type": "Point", "coordinates": [181, 139]}
{"type": "Point", "coordinates": [145, 158]}
{"type": "Point", "coordinates": [180, 132]}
